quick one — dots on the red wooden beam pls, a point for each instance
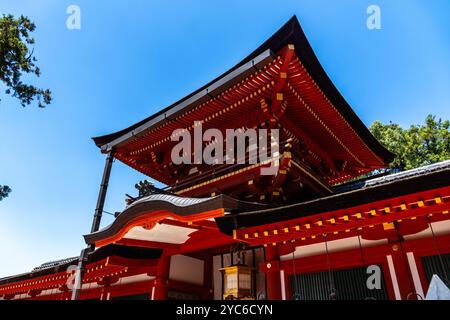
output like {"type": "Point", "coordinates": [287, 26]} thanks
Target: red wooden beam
{"type": "Point", "coordinates": [177, 223]}
{"type": "Point", "coordinates": [203, 240]}
{"type": "Point", "coordinates": [366, 215]}
{"type": "Point", "coordinates": [287, 53]}
{"type": "Point", "coordinates": [287, 124]}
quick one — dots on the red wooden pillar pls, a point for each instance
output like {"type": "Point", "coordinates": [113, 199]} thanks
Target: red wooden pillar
{"type": "Point", "coordinates": [272, 268]}
{"type": "Point", "coordinates": [162, 278]}
{"type": "Point", "coordinates": [399, 273]}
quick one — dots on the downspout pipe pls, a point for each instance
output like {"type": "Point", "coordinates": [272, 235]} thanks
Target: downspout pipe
{"type": "Point", "coordinates": [102, 192]}
{"type": "Point", "coordinates": [95, 224]}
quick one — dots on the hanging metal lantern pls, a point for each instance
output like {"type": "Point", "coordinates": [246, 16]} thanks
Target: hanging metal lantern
{"type": "Point", "coordinates": [238, 282]}
{"type": "Point", "coordinates": [238, 278]}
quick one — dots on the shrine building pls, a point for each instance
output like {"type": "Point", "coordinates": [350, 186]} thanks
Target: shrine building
{"type": "Point", "coordinates": [326, 221]}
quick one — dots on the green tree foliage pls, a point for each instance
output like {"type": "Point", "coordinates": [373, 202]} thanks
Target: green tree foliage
{"type": "Point", "coordinates": [417, 146]}
{"type": "Point", "coordinates": [16, 59]}
{"type": "Point", "coordinates": [4, 191]}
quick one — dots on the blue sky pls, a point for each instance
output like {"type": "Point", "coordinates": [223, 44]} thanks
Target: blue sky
{"type": "Point", "coordinates": [132, 58]}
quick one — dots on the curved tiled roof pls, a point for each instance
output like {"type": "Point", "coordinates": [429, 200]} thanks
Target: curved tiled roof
{"type": "Point", "coordinates": [395, 185]}
{"type": "Point", "coordinates": [175, 200]}
{"type": "Point", "coordinates": [178, 206]}
{"type": "Point", "coordinates": [409, 173]}
{"type": "Point", "coordinates": [55, 263]}
{"type": "Point", "coordinates": [370, 182]}
{"type": "Point", "coordinates": [97, 255]}
{"type": "Point", "coordinates": [289, 33]}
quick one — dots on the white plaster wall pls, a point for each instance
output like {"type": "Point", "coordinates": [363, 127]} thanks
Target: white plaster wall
{"type": "Point", "coordinates": [333, 246]}
{"type": "Point", "coordinates": [186, 269]}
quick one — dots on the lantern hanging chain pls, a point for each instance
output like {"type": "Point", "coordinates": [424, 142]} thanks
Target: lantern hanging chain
{"type": "Point", "coordinates": [330, 273]}
{"type": "Point", "coordinates": [406, 263]}
{"type": "Point", "coordinates": [436, 247]}
{"type": "Point", "coordinates": [295, 295]}
{"type": "Point", "coordinates": [361, 250]}
{"type": "Point", "coordinates": [363, 261]}
{"type": "Point", "coordinates": [232, 254]}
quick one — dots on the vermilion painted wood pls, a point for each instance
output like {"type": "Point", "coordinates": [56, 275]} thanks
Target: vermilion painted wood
{"type": "Point", "coordinates": [338, 260]}
{"type": "Point", "coordinates": [94, 272]}
{"type": "Point", "coordinates": [272, 270]}
{"type": "Point", "coordinates": [366, 220]}
{"type": "Point", "coordinates": [151, 218]}
{"type": "Point", "coordinates": [325, 123]}
{"type": "Point", "coordinates": [372, 255]}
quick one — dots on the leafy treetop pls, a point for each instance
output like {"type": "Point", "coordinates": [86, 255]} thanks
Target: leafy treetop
{"type": "Point", "coordinates": [16, 59]}
{"type": "Point", "coordinates": [417, 146]}
{"type": "Point", "coordinates": [4, 191]}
